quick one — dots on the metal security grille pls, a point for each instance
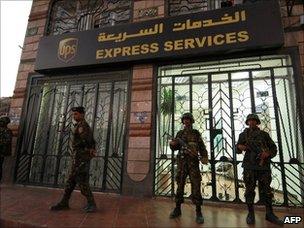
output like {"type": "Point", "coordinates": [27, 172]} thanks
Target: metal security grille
{"type": "Point", "coordinates": [179, 7]}
{"type": "Point", "coordinates": [78, 15]}
{"type": "Point", "coordinates": [220, 95]}
{"type": "Point", "coordinates": [5, 103]}
{"type": "Point", "coordinates": [44, 156]}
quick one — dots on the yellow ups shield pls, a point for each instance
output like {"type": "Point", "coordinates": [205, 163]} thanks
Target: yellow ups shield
{"type": "Point", "coordinates": [67, 49]}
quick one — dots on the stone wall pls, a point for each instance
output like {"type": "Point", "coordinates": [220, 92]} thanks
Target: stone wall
{"type": "Point", "coordinates": [294, 32]}
{"type": "Point", "coordinates": [294, 37]}
{"type": "Point", "coordinates": [139, 178]}
{"type": "Point", "coordinates": [35, 30]}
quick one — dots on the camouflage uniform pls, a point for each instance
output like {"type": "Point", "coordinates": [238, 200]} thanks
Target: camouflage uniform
{"type": "Point", "coordinates": [5, 141]}
{"type": "Point", "coordinates": [255, 169]}
{"type": "Point", "coordinates": [82, 141]}
{"type": "Point", "coordinates": [189, 165]}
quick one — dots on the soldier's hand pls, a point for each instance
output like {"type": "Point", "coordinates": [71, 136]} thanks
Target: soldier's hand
{"type": "Point", "coordinates": [173, 142]}
{"type": "Point", "coordinates": [92, 153]}
{"type": "Point", "coordinates": [242, 147]}
{"type": "Point", "coordinates": [204, 160]}
{"type": "Point", "coordinates": [264, 155]}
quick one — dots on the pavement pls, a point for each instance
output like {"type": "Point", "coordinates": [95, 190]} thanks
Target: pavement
{"type": "Point", "coordinates": [24, 206]}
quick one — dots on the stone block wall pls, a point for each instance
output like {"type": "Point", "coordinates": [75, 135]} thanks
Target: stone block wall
{"type": "Point", "coordinates": [294, 37]}
{"type": "Point", "coordinates": [35, 30]}
{"type": "Point", "coordinates": [294, 31]}
{"type": "Point", "coordinates": [139, 178]}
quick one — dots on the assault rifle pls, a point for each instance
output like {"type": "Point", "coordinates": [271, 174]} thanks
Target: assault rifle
{"type": "Point", "coordinates": [184, 146]}
{"type": "Point", "coordinates": [256, 150]}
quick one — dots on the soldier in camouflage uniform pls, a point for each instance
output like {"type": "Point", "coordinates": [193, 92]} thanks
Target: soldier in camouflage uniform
{"type": "Point", "coordinates": [259, 149]}
{"type": "Point", "coordinates": [83, 145]}
{"type": "Point", "coordinates": [188, 164]}
{"type": "Point", "coordinates": [5, 141]}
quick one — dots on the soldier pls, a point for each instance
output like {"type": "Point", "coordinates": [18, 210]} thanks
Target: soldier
{"type": "Point", "coordinates": [83, 145]}
{"type": "Point", "coordinates": [188, 164]}
{"type": "Point", "coordinates": [5, 141]}
{"type": "Point", "coordinates": [259, 149]}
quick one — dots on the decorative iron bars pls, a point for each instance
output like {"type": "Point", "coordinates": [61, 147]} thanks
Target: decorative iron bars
{"type": "Point", "coordinates": [220, 95]}
{"type": "Point", "coordinates": [5, 103]}
{"type": "Point", "coordinates": [45, 153]}
{"type": "Point", "coordinates": [78, 15]}
{"type": "Point", "coordinates": [179, 7]}
{"type": "Point", "coordinates": [290, 4]}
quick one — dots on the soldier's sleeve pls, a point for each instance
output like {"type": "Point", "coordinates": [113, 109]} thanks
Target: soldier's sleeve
{"type": "Point", "coordinates": [241, 141]}
{"type": "Point", "coordinates": [177, 146]}
{"type": "Point", "coordinates": [271, 145]}
{"type": "Point", "coordinates": [8, 137]}
{"type": "Point", "coordinates": [201, 146]}
{"type": "Point", "coordinates": [86, 136]}
{"type": "Point", "coordinates": [6, 142]}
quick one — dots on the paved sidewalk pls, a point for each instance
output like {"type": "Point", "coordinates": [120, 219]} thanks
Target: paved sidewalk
{"type": "Point", "coordinates": [29, 207]}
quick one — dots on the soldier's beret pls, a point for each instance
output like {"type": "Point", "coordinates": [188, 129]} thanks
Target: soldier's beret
{"type": "Point", "coordinates": [79, 109]}
{"type": "Point", "coordinates": [253, 116]}
{"type": "Point", "coordinates": [187, 115]}
{"type": "Point", "coordinates": [5, 119]}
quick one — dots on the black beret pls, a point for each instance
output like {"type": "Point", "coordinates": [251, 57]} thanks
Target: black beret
{"type": "Point", "coordinates": [5, 119]}
{"type": "Point", "coordinates": [79, 109]}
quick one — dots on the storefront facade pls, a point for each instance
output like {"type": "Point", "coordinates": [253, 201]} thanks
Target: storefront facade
{"type": "Point", "coordinates": [136, 66]}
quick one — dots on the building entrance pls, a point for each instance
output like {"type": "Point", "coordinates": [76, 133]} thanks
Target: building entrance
{"type": "Point", "coordinates": [220, 95]}
{"type": "Point", "coordinates": [44, 155]}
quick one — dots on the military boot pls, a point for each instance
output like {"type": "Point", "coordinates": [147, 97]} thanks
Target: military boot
{"type": "Point", "coordinates": [91, 207]}
{"type": "Point", "coordinates": [271, 217]}
{"type": "Point", "coordinates": [62, 205]}
{"type": "Point", "coordinates": [199, 216]}
{"type": "Point", "coordinates": [250, 217]}
{"type": "Point", "coordinates": [176, 212]}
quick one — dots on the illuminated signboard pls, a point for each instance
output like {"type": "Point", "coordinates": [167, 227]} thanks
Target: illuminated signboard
{"type": "Point", "coordinates": [239, 28]}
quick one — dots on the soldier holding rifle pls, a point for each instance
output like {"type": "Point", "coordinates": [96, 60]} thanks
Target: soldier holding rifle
{"type": "Point", "coordinates": [191, 150]}
{"type": "Point", "coordinates": [259, 149]}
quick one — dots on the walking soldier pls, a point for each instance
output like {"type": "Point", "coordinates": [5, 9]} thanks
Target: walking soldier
{"type": "Point", "coordinates": [189, 143]}
{"type": "Point", "coordinates": [83, 145]}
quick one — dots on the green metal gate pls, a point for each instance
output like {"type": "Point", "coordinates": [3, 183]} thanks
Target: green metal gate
{"type": "Point", "coordinates": [220, 95]}
{"type": "Point", "coordinates": [44, 154]}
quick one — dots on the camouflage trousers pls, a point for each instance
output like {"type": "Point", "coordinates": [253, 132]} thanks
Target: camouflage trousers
{"type": "Point", "coordinates": [79, 175]}
{"type": "Point", "coordinates": [1, 164]}
{"type": "Point", "coordinates": [264, 179]}
{"type": "Point", "coordinates": [188, 166]}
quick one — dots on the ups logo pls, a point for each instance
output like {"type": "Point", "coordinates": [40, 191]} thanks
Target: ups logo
{"type": "Point", "coordinates": [67, 49]}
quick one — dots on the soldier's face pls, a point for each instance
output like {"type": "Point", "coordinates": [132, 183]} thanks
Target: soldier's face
{"type": "Point", "coordinates": [252, 123]}
{"type": "Point", "coordinates": [187, 122]}
{"type": "Point", "coordinates": [77, 116]}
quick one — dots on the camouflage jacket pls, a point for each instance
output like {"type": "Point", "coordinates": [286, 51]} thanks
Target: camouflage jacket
{"type": "Point", "coordinates": [256, 141]}
{"type": "Point", "coordinates": [194, 139]}
{"type": "Point", "coordinates": [82, 140]}
{"type": "Point", "coordinates": [5, 141]}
